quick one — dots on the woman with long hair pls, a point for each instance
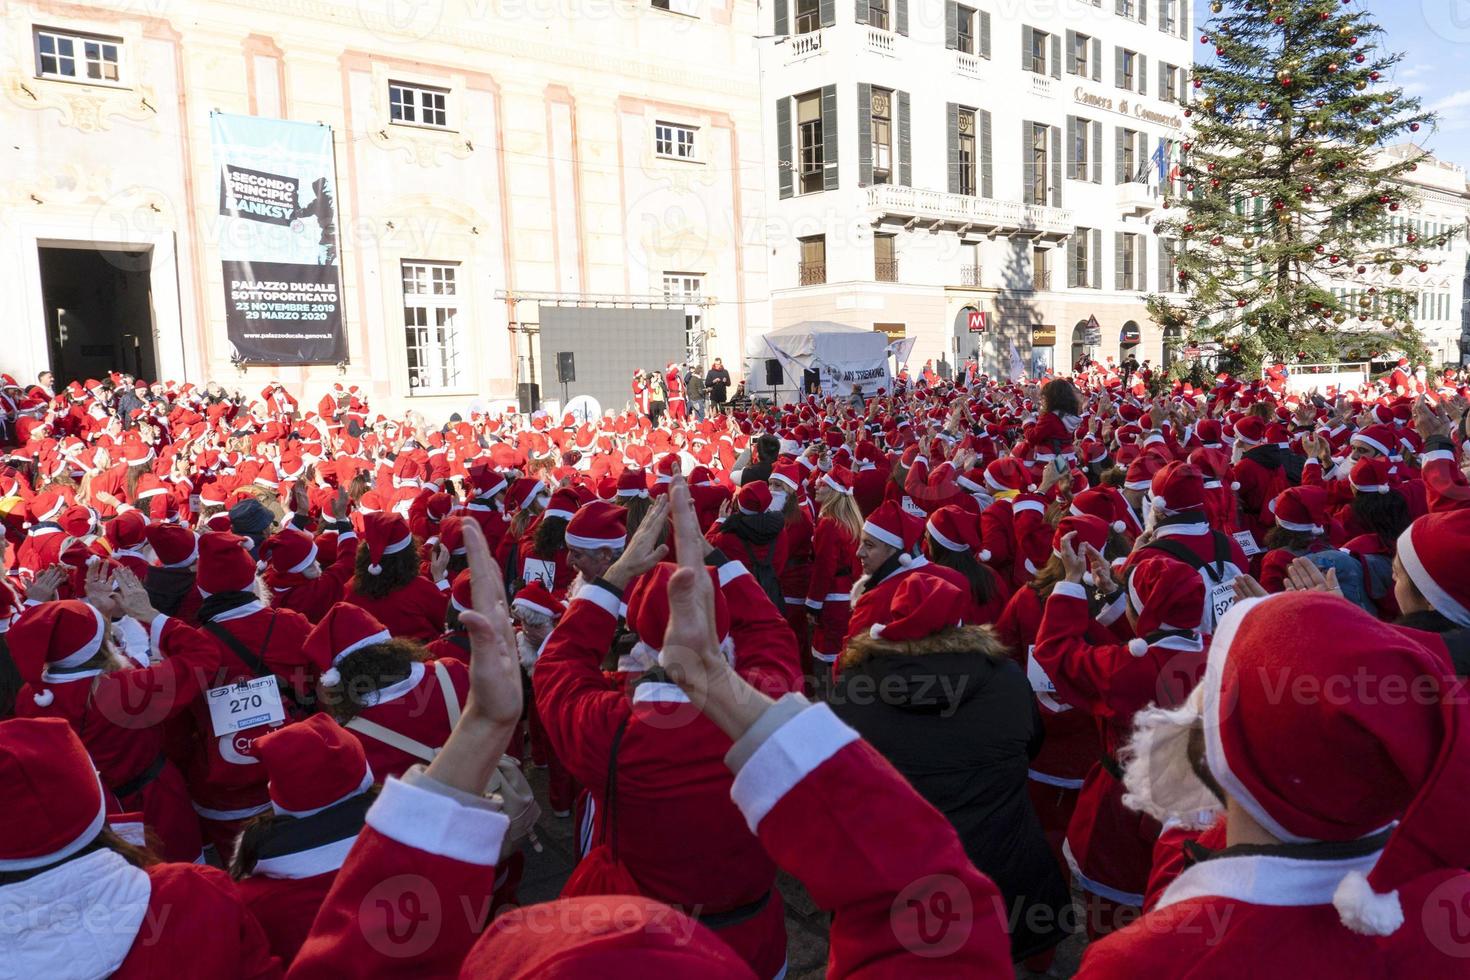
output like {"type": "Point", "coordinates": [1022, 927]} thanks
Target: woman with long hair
{"type": "Point", "coordinates": [796, 574]}
{"type": "Point", "coordinates": [387, 582]}
{"type": "Point", "coordinates": [834, 568]}
{"type": "Point", "coordinates": [952, 539]}
{"type": "Point", "coordinates": [1300, 530]}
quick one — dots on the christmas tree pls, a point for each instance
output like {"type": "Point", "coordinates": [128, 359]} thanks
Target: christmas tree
{"type": "Point", "coordinates": [1286, 199]}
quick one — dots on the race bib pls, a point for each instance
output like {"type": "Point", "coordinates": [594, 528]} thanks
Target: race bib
{"type": "Point", "coordinates": [537, 570]}
{"type": "Point", "coordinates": [249, 704]}
{"type": "Point", "coordinates": [1247, 543]}
{"type": "Point", "coordinates": [1041, 684]}
{"type": "Point", "coordinates": [1222, 597]}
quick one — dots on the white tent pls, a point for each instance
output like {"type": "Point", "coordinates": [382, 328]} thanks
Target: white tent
{"type": "Point", "coordinates": [843, 356]}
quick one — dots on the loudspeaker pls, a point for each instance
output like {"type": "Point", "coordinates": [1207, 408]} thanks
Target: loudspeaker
{"type": "Point", "coordinates": [773, 373]}
{"type": "Point", "coordinates": [566, 367]}
{"type": "Point", "coordinates": [528, 394]}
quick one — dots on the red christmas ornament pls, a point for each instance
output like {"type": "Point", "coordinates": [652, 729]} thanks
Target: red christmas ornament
{"type": "Point", "coordinates": [1413, 127]}
{"type": "Point", "coordinates": [1423, 266]}
{"type": "Point", "coordinates": [1279, 205]}
{"type": "Point", "coordinates": [1188, 113]}
{"type": "Point", "coordinates": [1219, 52]}
{"type": "Point", "coordinates": [1216, 240]}
{"type": "Point", "coordinates": [1204, 39]}
{"type": "Point", "coordinates": [1263, 103]}
{"type": "Point", "coordinates": [1413, 238]}
{"type": "Point", "coordinates": [1215, 185]}
{"type": "Point", "coordinates": [1362, 269]}
{"type": "Point", "coordinates": [1188, 229]}
{"type": "Point", "coordinates": [1310, 152]}
{"type": "Point", "coordinates": [1335, 259]}
{"type": "Point", "coordinates": [1321, 249]}
{"type": "Point", "coordinates": [1280, 21]}
{"type": "Point", "coordinates": [1352, 40]}
{"type": "Point", "coordinates": [1374, 75]}
{"type": "Point", "coordinates": [1332, 67]}
{"type": "Point", "coordinates": [1199, 83]}
{"type": "Point", "coordinates": [1188, 146]}
{"type": "Point", "coordinates": [1394, 206]}
{"type": "Point", "coordinates": [1383, 200]}
{"type": "Point", "coordinates": [1360, 57]}
{"type": "Point", "coordinates": [1306, 188]}
{"type": "Point", "coordinates": [1240, 302]}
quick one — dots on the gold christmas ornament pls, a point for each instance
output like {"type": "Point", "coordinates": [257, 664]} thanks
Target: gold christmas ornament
{"type": "Point", "coordinates": [1389, 321]}
{"type": "Point", "coordinates": [1397, 268]}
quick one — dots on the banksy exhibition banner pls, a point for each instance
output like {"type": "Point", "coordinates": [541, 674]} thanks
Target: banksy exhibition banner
{"type": "Point", "coordinates": [278, 240]}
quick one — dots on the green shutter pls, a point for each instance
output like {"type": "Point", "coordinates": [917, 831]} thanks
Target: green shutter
{"type": "Point", "coordinates": [861, 13]}
{"type": "Point", "coordinates": [987, 184]}
{"type": "Point", "coordinates": [783, 17]}
{"type": "Point", "coordinates": [951, 25]}
{"type": "Point", "coordinates": [905, 148]}
{"type": "Point", "coordinates": [786, 166]}
{"type": "Point", "coordinates": [1056, 167]}
{"type": "Point", "coordinates": [1071, 52]}
{"type": "Point", "coordinates": [827, 12]}
{"type": "Point", "coordinates": [1028, 163]}
{"type": "Point", "coordinates": [865, 134]}
{"type": "Point", "coordinates": [1118, 283]}
{"type": "Point", "coordinates": [901, 16]}
{"type": "Point", "coordinates": [984, 34]}
{"type": "Point", "coordinates": [829, 137]}
{"type": "Point", "coordinates": [952, 142]}
{"type": "Point", "coordinates": [1056, 56]}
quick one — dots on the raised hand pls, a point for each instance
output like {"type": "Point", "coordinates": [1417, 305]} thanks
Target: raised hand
{"type": "Point", "coordinates": [1303, 576]}
{"type": "Point", "coordinates": [132, 597]}
{"type": "Point", "coordinates": [643, 551]}
{"type": "Point", "coordinates": [43, 587]}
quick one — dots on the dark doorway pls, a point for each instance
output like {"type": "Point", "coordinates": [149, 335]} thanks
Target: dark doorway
{"type": "Point", "coordinates": [99, 312]}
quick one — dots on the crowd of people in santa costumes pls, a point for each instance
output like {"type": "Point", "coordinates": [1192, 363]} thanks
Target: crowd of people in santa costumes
{"type": "Point", "coordinates": [1191, 653]}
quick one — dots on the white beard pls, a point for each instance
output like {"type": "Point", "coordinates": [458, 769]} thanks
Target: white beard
{"type": "Point", "coordinates": [528, 649]}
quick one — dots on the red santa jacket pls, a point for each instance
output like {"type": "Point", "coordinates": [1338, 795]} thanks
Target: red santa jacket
{"type": "Point", "coordinates": [413, 612]}
{"type": "Point", "coordinates": [796, 574]}
{"type": "Point", "coordinates": [313, 597]}
{"type": "Point", "coordinates": [1110, 846]}
{"type": "Point", "coordinates": [834, 566]}
{"type": "Point", "coordinates": [414, 708]}
{"type": "Point", "coordinates": [813, 791]}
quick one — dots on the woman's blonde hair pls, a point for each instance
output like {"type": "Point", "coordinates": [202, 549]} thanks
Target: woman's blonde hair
{"type": "Point", "coordinates": [841, 508]}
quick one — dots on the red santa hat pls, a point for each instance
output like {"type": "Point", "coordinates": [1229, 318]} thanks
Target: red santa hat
{"type": "Point", "coordinates": [525, 492]}
{"type": "Point", "coordinates": [534, 597]}
{"type": "Point", "coordinates": [289, 552]}
{"type": "Point", "coordinates": [175, 545]}
{"type": "Point", "coordinates": [753, 497]}
{"type": "Point", "coordinates": [47, 505]}
{"type": "Point", "coordinates": [1371, 475]}
{"type": "Point", "coordinates": [1141, 472]}
{"type": "Point", "coordinates": [1432, 551]}
{"type": "Point", "coordinates": [632, 482]}
{"type": "Point", "coordinates": [921, 607]}
{"type": "Point", "coordinates": [1102, 503]}
{"type": "Point", "coordinates": [451, 534]}
{"type": "Point", "coordinates": [1178, 487]}
{"type": "Point", "coordinates": [344, 630]}
{"type": "Point", "coordinates": [563, 504]}
{"type": "Point", "coordinates": [648, 613]}
{"type": "Point", "coordinates": [1089, 530]}
{"type": "Point", "coordinates": [1169, 597]}
{"type": "Point", "coordinates": [895, 527]}
{"type": "Point", "coordinates": [54, 802]}
{"type": "Point", "coordinates": [53, 639]}
{"type": "Point", "coordinates": [1379, 438]}
{"type": "Point", "coordinates": [127, 530]}
{"type": "Point", "coordinates": [1007, 474]}
{"type": "Point", "coordinates": [1302, 509]}
{"type": "Point", "coordinates": [956, 529]}
{"type": "Point", "coordinates": [384, 534]}
{"type": "Point", "coordinates": [461, 593]}
{"type": "Point", "coordinates": [598, 525]}
{"type": "Point", "coordinates": [311, 765]}
{"type": "Point", "coordinates": [225, 564]}
{"type": "Point", "coordinates": [218, 523]}
{"type": "Point", "coordinates": [77, 521]}
{"type": "Point", "coordinates": [486, 480]}
{"type": "Point", "coordinates": [838, 479]}
{"type": "Point", "coordinates": [1250, 430]}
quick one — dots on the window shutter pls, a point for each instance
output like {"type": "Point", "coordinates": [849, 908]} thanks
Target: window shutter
{"type": "Point", "coordinates": [1163, 13]}
{"type": "Point", "coordinates": [783, 17]}
{"type": "Point", "coordinates": [952, 141]}
{"type": "Point", "coordinates": [1184, 14]}
{"type": "Point", "coordinates": [1120, 143]}
{"type": "Point", "coordinates": [1164, 284]}
{"type": "Point", "coordinates": [1140, 263]}
{"type": "Point", "coordinates": [1096, 60]}
{"type": "Point", "coordinates": [1028, 163]}
{"type": "Point", "coordinates": [1143, 156]}
{"type": "Point", "coordinates": [1118, 283]}
{"type": "Point", "coordinates": [1056, 56]}
{"type": "Point", "coordinates": [901, 16]}
{"type": "Point", "coordinates": [1095, 279]}
{"type": "Point", "coordinates": [785, 165]}
{"type": "Point", "coordinates": [987, 185]}
{"type": "Point", "coordinates": [829, 137]}
{"type": "Point", "coordinates": [951, 25]}
{"type": "Point", "coordinates": [1071, 146]}
{"type": "Point", "coordinates": [827, 12]}
{"type": "Point", "coordinates": [865, 134]}
{"type": "Point", "coordinates": [1096, 152]}
{"type": "Point", "coordinates": [1142, 6]}
{"type": "Point", "coordinates": [1118, 67]}
{"type": "Point", "coordinates": [861, 14]}
{"type": "Point", "coordinates": [1143, 74]}
{"type": "Point", "coordinates": [1056, 167]}
{"type": "Point", "coordinates": [905, 149]}
{"type": "Point", "coordinates": [984, 34]}
{"type": "Point", "coordinates": [1073, 256]}
{"type": "Point", "coordinates": [1071, 52]}
{"type": "Point", "coordinates": [1026, 33]}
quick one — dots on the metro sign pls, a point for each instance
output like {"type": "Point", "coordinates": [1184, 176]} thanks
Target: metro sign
{"type": "Point", "coordinates": [977, 321]}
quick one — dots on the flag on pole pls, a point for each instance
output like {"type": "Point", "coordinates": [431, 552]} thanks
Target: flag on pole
{"type": "Point", "coordinates": [1161, 160]}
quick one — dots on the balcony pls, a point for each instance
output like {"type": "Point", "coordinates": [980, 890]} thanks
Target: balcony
{"type": "Point", "coordinates": [1136, 199]}
{"type": "Point", "coordinates": [880, 42]}
{"type": "Point", "coordinates": [966, 64]}
{"type": "Point", "coordinates": [961, 213]}
{"type": "Point", "coordinates": [803, 46]}
{"type": "Point", "coordinates": [813, 273]}
{"type": "Point", "coordinates": [1043, 86]}
{"type": "Point", "coordinates": [970, 275]}
{"type": "Point", "coordinates": [885, 270]}
{"type": "Point", "coordinates": [1040, 280]}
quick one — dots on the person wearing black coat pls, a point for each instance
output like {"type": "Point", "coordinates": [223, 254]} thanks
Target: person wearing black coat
{"type": "Point", "coordinates": [956, 716]}
{"type": "Point", "coordinates": [716, 385]}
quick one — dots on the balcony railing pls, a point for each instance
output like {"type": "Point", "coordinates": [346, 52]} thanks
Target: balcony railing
{"type": "Point", "coordinates": [813, 273]}
{"type": "Point", "coordinates": [937, 209]}
{"type": "Point", "coordinates": [885, 270]}
{"type": "Point", "coordinates": [967, 64]}
{"type": "Point", "coordinates": [803, 46]}
{"type": "Point", "coordinates": [1041, 280]}
{"type": "Point", "coordinates": [1043, 85]}
{"type": "Point", "coordinates": [1137, 198]}
{"type": "Point", "coordinates": [880, 42]}
{"type": "Point", "coordinates": [969, 275]}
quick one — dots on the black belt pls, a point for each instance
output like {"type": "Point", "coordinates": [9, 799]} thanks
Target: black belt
{"type": "Point", "coordinates": [1111, 767]}
{"type": "Point", "coordinates": [735, 916]}
{"type": "Point", "coordinates": [141, 780]}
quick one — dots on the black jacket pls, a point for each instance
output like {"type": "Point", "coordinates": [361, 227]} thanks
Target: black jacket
{"type": "Point", "coordinates": [717, 382]}
{"type": "Point", "coordinates": [962, 728]}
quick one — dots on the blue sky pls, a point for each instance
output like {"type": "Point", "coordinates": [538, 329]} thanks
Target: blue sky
{"type": "Point", "coordinates": [1434, 36]}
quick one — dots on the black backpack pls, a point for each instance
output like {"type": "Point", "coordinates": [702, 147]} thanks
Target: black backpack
{"type": "Point", "coordinates": [765, 576]}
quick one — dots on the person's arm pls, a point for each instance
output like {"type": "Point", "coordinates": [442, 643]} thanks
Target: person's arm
{"type": "Point", "coordinates": [766, 655]}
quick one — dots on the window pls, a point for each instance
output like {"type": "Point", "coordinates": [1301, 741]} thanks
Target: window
{"type": "Point", "coordinates": [1129, 71]}
{"type": "Point", "coordinates": [882, 129]}
{"type": "Point", "coordinates": [431, 307]}
{"type": "Point", "coordinates": [965, 25]}
{"type": "Point", "coordinates": [81, 57]}
{"type": "Point", "coordinates": [1039, 168]}
{"type": "Point", "coordinates": [808, 16]}
{"type": "Point", "coordinates": [1040, 270]}
{"type": "Point", "coordinates": [1081, 138]}
{"type": "Point", "coordinates": [1082, 257]}
{"type": "Point", "coordinates": [418, 105]}
{"type": "Point", "coordinates": [965, 124]}
{"type": "Point", "coordinates": [1039, 42]}
{"type": "Point", "coordinates": [813, 269]}
{"type": "Point", "coordinates": [687, 288]}
{"type": "Point", "coordinates": [885, 258]}
{"type": "Point", "coordinates": [1168, 266]}
{"type": "Point", "coordinates": [1171, 83]}
{"type": "Point", "coordinates": [1169, 16]}
{"type": "Point", "coordinates": [673, 140]}
{"type": "Point", "coordinates": [809, 141]}
{"type": "Point", "coordinates": [1128, 264]}
{"type": "Point", "coordinates": [878, 14]}
{"type": "Point", "coordinates": [1128, 157]}
{"type": "Point", "coordinates": [1081, 48]}
{"type": "Point", "coordinates": [661, 4]}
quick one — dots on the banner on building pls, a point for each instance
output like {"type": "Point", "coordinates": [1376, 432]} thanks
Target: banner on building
{"type": "Point", "coordinates": [278, 240]}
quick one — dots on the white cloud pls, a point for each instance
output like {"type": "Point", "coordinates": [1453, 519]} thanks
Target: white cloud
{"type": "Point", "coordinates": [1452, 103]}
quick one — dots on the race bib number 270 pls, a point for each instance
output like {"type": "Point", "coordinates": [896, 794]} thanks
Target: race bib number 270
{"type": "Point", "coordinates": [237, 707]}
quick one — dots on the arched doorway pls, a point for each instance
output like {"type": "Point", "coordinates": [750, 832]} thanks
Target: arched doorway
{"type": "Point", "coordinates": [1128, 340]}
{"type": "Point", "coordinates": [1079, 343]}
{"type": "Point", "coordinates": [1173, 340]}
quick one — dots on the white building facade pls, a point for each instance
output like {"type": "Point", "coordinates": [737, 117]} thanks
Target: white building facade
{"type": "Point", "coordinates": [494, 161]}
{"type": "Point", "coordinates": [930, 161]}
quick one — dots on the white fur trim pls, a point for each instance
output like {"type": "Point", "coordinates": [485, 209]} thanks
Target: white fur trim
{"type": "Point", "coordinates": [426, 821]}
{"type": "Point", "coordinates": [984, 554]}
{"type": "Point", "coordinates": [730, 571]}
{"type": "Point", "coordinates": [1157, 776]}
{"type": "Point", "coordinates": [1443, 603]}
{"type": "Point", "coordinates": [1119, 527]}
{"type": "Point", "coordinates": [331, 677]}
{"type": "Point", "coordinates": [658, 692]}
{"type": "Point", "coordinates": [362, 787]}
{"type": "Point", "coordinates": [599, 597]}
{"type": "Point", "coordinates": [1073, 590]}
{"type": "Point", "coordinates": [905, 559]}
{"type": "Point", "coordinates": [375, 569]}
{"type": "Point", "coordinates": [883, 534]}
{"type": "Point", "coordinates": [1365, 911]}
{"type": "Point", "coordinates": [791, 753]}
{"type": "Point", "coordinates": [44, 698]}
{"type": "Point", "coordinates": [1137, 647]}
{"type": "Point", "coordinates": [596, 544]}
{"type": "Point", "coordinates": [948, 543]}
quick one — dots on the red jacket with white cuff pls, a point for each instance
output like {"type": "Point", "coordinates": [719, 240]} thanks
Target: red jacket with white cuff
{"type": "Point", "coordinates": [313, 597]}
{"type": "Point", "coordinates": [1444, 482]}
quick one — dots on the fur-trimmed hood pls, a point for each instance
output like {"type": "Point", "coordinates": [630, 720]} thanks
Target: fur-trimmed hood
{"type": "Point", "coordinates": [935, 674]}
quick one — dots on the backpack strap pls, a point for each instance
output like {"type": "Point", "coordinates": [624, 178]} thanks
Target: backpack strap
{"type": "Point", "coordinates": [255, 662]}
{"type": "Point", "coordinates": [1171, 547]}
{"type": "Point", "coordinates": [610, 788]}
{"type": "Point", "coordinates": [388, 736]}
{"type": "Point", "coordinates": [451, 696]}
